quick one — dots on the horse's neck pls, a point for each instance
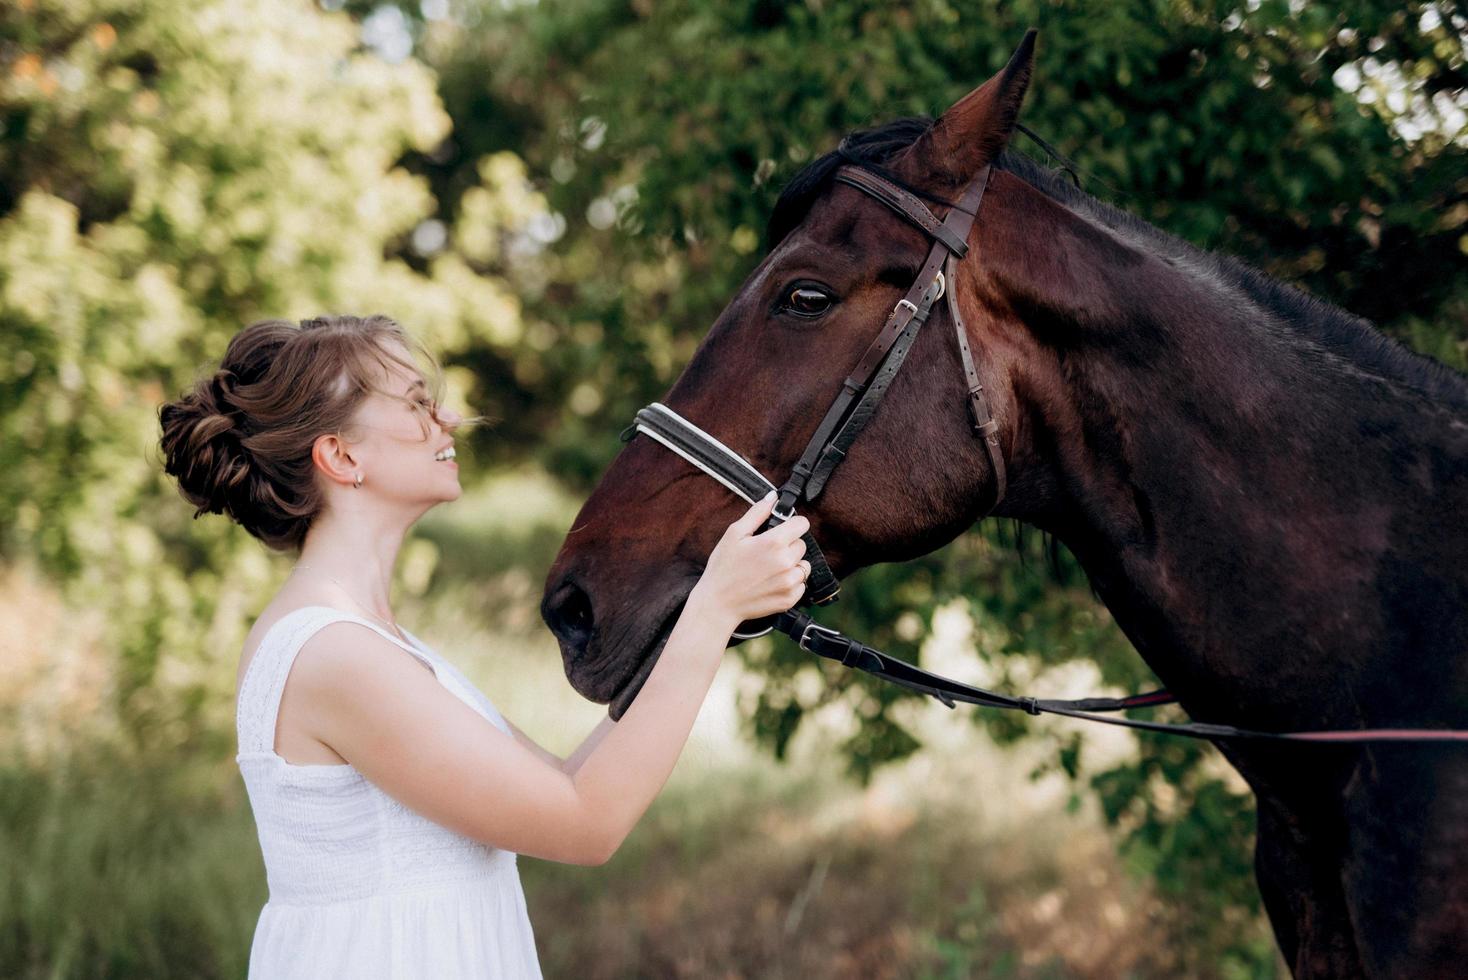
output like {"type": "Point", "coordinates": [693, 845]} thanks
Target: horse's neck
{"type": "Point", "coordinates": [1231, 487]}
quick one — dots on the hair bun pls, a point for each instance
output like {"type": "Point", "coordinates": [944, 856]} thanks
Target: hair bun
{"type": "Point", "coordinates": [221, 386]}
{"type": "Point", "coordinates": [203, 447]}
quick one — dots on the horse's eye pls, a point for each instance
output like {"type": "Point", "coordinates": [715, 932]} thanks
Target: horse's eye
{"type": "Point", "coordinates": [807, 301]}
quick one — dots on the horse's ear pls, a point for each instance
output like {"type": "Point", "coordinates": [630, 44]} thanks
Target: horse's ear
{"type": "Point", "coordinates": [973, 131]}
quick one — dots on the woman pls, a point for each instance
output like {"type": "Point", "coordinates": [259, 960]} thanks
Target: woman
{"type": "Point", "coordinates": [391, 797]}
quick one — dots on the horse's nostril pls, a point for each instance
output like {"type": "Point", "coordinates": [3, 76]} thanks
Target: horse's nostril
{"type": "Point", "coordinates": [576, 610]}
{"type": "Point", "coordinates": [568, 614]}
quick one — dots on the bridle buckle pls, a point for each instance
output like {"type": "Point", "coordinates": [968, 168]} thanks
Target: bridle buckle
{"type": "Point", "coordinates": [804, 641]}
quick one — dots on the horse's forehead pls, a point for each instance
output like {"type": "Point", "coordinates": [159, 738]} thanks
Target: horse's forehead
{"type": "Point", "coordinates": [835, 238]}
{"type": "Point", "coordinates": [847, 221]}
{"type": "Point", "coordinates": [843, 240]}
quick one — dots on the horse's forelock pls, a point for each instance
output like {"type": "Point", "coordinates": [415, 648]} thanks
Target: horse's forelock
{"type": "Point", "coordinates": [872, 148]}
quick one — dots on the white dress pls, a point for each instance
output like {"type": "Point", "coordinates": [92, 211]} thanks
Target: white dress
{"type": "Point", "coordinates": [361, 886]}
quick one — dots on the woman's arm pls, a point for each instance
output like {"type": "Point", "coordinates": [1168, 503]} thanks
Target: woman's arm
{"type": "Point", "coordinates": [632, 762]}
{"type": "Point", "coordinates": [412, 738]}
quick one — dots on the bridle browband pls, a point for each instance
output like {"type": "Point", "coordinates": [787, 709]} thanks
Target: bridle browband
{"type": "Point", "coordinates": [861, 392]}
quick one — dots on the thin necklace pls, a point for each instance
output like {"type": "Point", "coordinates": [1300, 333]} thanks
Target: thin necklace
{"type": "Point", "coordinates": [348, 592]}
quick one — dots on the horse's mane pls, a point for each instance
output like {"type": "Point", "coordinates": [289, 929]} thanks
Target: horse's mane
{"type": "Point", "coordinates": [1297, 313]}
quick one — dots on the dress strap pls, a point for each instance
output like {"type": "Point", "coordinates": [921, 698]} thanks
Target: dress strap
{"type": "Point", "coordinates": [265, 677]}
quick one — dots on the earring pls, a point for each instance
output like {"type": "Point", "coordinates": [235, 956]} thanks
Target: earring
{"type": "Point", "coordinates": [358, 483]}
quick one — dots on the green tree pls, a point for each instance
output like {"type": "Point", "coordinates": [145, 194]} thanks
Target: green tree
{"type": "Point", "coordinates": [169, 173]}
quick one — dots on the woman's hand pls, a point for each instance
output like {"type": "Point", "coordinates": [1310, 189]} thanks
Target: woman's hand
{"type": "Point", "coordinates": [751, 574]}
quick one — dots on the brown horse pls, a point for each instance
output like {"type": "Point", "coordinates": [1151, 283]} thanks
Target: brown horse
{"type": "Point", "coordinates": [1268, 495]}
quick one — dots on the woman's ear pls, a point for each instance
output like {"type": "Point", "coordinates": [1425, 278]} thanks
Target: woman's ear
{"type": "Point", "coordinates": [333, 457]}
{"type": "Point", "coordinates": [976, 128]}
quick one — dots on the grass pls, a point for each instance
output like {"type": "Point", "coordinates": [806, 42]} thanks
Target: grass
{"type": "Point", "coordinates": [122, 868]}
{"type": "Point", "coordinates": [112, 868]}
{"type": "Point", "coordinates": [732, 879]}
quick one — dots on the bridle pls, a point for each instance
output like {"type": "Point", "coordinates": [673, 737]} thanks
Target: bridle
{"type": "Point", "coordinates": [861, 392]}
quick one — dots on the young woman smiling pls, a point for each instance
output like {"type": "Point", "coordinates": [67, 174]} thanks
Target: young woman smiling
{"type": "Point", "coordinates": [390, 796]}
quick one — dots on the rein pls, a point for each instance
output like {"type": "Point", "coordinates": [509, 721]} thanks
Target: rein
{"type": "Point", "coordinates": [823, 641]}
{"type": "Point", "coordinates": [853, 407]}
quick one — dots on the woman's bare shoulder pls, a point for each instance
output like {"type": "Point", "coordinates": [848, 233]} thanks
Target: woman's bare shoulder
{"type": "Point", "coordinates": [285, 602]}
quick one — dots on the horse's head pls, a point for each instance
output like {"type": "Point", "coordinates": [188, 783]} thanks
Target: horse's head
{"type": "Point", "coordinates": [764, 377]}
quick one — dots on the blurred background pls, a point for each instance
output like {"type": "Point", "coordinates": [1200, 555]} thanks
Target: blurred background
{"type": "Point", "coordinates": [558, 198]}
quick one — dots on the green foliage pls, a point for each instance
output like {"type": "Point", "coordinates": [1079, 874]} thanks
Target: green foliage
{"type": "Point", "coordinates": [664, 134]}
{"type": "Point", "coordinates": [1191, 833]}
{"type": "Point", "coordinates": [169, 173]}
